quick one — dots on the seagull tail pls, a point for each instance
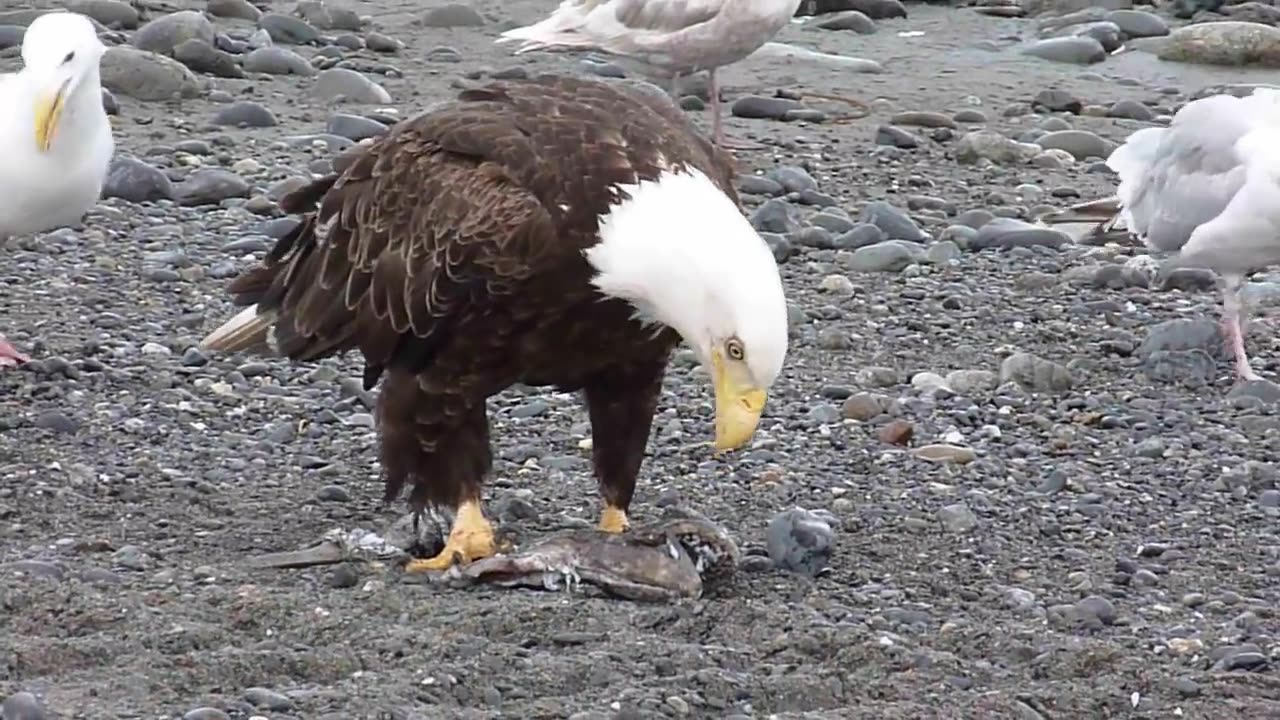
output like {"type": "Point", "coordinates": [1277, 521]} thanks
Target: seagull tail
{"type": "Point", "coordinates": [247, 330]}
{"type": "Point", "coordinates": [558, 32]}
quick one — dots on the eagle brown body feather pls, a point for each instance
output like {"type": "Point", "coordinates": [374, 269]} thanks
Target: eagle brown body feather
{"type": "Point", "coordinates": [449, 253]}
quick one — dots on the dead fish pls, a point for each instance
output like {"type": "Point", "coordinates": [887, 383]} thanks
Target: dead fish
{"type": "Point", "coordinates": [661, 562]}
{"type": "Point", "coordinates": [336, 546]}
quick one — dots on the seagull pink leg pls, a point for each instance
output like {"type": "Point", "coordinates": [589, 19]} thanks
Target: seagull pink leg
{"type": "Point", "coordinates": [9, 355]}
{"type": "Point", "coordinates": [1233, 326]}
{"type": "Point", "coordinates": [717, 125]}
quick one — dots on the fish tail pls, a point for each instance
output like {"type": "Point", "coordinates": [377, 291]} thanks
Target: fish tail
{"type": "Point", "coordinates": [1100, 211]}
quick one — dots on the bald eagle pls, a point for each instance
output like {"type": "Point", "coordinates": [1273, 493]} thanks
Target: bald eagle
{"type": "Point", "coordinates": [553, 231]}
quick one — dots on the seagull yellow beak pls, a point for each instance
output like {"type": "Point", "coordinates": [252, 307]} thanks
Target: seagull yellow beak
{"type": "Point", "coordinates": [738, 403]}
{"type": "Point", "coordinates": [48, 110]}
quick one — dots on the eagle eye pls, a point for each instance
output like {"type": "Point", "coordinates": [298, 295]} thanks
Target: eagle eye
{"type": "Point", "coordinates": [733, 348]}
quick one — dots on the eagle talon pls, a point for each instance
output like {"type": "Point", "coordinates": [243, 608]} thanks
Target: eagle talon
{"type": "Point", "coordinates": [614, 520]}
{"type": "Point", "coordinates": [470, 539]}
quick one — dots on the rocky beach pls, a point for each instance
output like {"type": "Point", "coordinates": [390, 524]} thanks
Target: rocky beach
{"type": "Point", "coordinates": [1005, 472]}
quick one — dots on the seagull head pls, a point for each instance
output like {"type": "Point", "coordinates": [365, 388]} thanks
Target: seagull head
{"type": "Point", "coordinates": [60, 54]}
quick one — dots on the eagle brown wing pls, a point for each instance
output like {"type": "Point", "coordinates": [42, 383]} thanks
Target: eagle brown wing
{"type": "Point", "coordinates": [454, 210]}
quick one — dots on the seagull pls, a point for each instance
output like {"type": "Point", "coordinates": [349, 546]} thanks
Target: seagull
{"type": "Point", "coordinates": [54, 131]}
{"type": "Point", "coordinates": [668, 38]}
{"type": "Point", "coordinates": [1208, 188]}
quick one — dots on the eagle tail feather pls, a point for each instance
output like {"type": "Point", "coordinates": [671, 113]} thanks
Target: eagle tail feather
{"type": "Point", "coordinates": [249, 329]}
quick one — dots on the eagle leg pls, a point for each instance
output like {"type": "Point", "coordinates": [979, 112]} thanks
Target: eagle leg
{"type": "Point", "coordinates": [439, 444]}
{"type": "Point", "coordinates": [621, 403]}
{"type": "Point", "coordinates": [614, 519]}
{"type": "Point", "coordinates": [470, 539]}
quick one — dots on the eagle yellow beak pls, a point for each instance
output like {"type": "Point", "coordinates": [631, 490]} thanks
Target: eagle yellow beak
{"type": "Point", "coordinates": [48, 110]}
{"type": "Point", "coordinates": [738, 403]}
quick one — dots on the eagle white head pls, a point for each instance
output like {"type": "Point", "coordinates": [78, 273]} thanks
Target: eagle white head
{"type": "Point", "coordinates": [60, 54]}
{"type": "Point", "coordinates": [679, 250]}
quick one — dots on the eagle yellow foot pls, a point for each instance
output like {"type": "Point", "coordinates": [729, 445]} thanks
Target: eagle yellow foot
{"type": "Point", "coordinates": [470, 539]}
{"type": "Point", "coordinates": [614, 520]}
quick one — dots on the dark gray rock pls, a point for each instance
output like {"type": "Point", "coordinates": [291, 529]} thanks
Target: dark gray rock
{"type": "Point", "coordinates": [202, 57]}
{"type": "Point", "coordinates": [895, 223]}
{"type": "Point", "coordinates": [166, 32]}
{"type": "Point", "coordinates": [131, 179]}
{"type": "Point", "coordinates": [210, 186]}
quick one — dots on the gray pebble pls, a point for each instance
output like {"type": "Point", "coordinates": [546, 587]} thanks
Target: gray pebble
{"type": "Point", "coordinates": [210, 186]}
{"type": "Point", "coordinates": [1096, 607]}
{"type": "Point", "coordinates": [925, 119]}
{"type": "Point", "coordinates": [354, 127]}
{"type": "Point", "coordinates": [800, 541]}
{"type": "Point", "coordinates": [205, 713]}
{"type": "Point", "coordinates": [887, 256]}
{"type": "Point", "coordinates": [1005, 233]}
{"type": "Point", "coordinates": [451, 15]}
{"type": "Point", "coordinates": [11, 36]}
{"type": "Point", "coordinates": [350, 86]}
{"type": "Point", "coordinates": [896, 137]}
{"type": "Point", "coordinates": [774, 216]}
{"type": "Point", "coordinates": [792, 179]}
{"type": "Point", "coordinates": [268, 699]}
{"type": "Point", "coordinates": [246, 114]}
{"type": "Point", "coordinates": [113, 14]}
{"type": "Point", "coordinates": [848, 20]}
{"type": "Point", "coordinates": [1077, 50]}
{"type": "Point", "coordinates": [895, 223]}
{"type": "Point", "coordinates": [1081, 144]}
{"type": "Point", "coordinates": [763, 108]}
{"type": "Point", "coordinates": [147, 76]}
{"type": "Point", "coordinates": [202, 57]}
{"type": "Point", "coordinates": [275, 60]}
{"type": "Point", "coordinates": [1130, 110]}
{"type": "Point", "coordinates": [288, 29]}
{"type": "Point", "coordinates": [131, 179]}
{"type": "Point", "coordinates": [22, 706]}
{"type": "Point", "coordinates": [236, 9]}
{"type": "Point", "coordinates": [1138, 23]}
{"type": "Point", "coordinates": [1035, 373]}
{"type": "Point", "coordinates": [992, 146]}
{"type": "Point", "coordinates": [166, 32]}
{"type": "Point", "coordinates": [380, 43]}
{"type": "Point", "coordinates": [860, 235]}
{"type": "Point", "coordinates": [957, 518]}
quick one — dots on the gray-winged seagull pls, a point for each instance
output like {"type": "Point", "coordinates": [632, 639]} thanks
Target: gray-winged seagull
{"type": "Point", "coordinates": [55, 134]}
{"type": "Point", "coordinates": [669, 37]}
{"type": "Point", "coordinates": [1208, 187]}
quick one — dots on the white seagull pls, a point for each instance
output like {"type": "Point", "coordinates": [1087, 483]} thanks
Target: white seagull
{"type": "Point", "coordinates": [54, 131]}
{"type": "Point", "coordinates": [1208, 188]}
{"type": "Point", "coordinates": [669, 38]}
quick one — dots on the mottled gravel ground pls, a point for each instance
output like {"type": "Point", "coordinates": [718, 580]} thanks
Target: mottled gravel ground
{"type": "Point", "coordinates": [1093, 542]}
